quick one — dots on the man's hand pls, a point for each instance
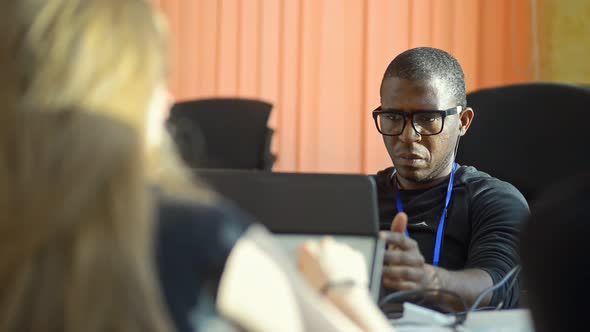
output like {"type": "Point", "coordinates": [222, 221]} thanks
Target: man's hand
{"type": "Point", "coordinates": [404, 267]}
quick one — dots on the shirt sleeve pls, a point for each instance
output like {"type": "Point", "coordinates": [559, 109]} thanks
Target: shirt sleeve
{"type": "Point", "coordinates": [193, 243]}
{"type": "Point", "coordinates": [497, 211]}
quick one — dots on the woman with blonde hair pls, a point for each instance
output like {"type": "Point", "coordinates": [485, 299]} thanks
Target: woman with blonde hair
{"type": "Point", "coordinates": [75, 227]}
{"type": "Point", "coordinates": [108, 57]}
{"type": "Point", "coordinates": [105, 56]}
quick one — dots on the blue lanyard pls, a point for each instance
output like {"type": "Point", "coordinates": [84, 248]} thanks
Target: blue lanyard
{"type": "Point", "coordinates": [441, 224]}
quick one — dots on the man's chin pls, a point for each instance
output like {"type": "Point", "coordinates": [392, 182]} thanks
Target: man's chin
{"type": "Point", "coordinates": [414, 174]}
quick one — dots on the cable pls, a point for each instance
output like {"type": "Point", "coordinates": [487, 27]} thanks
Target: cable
{"type": "Point", "coordinates": [419, 298]}
{"type": "Point", "coordinates": [514, 279]}
{"type": "Point", "coordinates": [493, 288]}
{"type": "Point", "coordinates": [436, 302]}
{"type": "Point", "coordinates": [404, 295]}
{"type": "Point", "coordinates": [456, 148]}
{"type": "Point", "coordinates": [489, 308]}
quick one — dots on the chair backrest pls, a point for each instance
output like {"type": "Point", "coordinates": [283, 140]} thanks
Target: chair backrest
{"type": "Point", "coordinates": [529, 134]}
{"type": "Point", "coordinates": [223, 133]}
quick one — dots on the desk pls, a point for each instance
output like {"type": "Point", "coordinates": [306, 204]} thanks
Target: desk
{"type": "Point", "coordinates": [516, 320]}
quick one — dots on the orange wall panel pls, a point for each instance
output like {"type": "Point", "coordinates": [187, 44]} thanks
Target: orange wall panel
{"type": "Point", "coordinates": [320, 62]}
{"type": "Point", "coordinates": [289, 76]}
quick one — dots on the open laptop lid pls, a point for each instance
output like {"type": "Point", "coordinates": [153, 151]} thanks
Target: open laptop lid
{"type": "Point", "coordinates": [299, 207]}
{"type": "Point", "coordinates": [301, 203]}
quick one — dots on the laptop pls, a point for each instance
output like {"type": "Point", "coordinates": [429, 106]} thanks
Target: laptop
{"type": "Point", "coordinates": [297, 207]}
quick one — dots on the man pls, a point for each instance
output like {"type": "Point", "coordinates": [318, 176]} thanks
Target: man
{"type": "Point", "coordinates": [422, 116]}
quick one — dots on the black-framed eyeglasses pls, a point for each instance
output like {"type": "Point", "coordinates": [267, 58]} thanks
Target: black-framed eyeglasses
{"type": "Point", "coordinates": [391, 122]}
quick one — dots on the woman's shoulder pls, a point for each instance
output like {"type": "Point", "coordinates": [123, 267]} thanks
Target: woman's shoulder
{"type": "Point", "coordinates": [185, 223]}
{"type": "Point", "coordinates": [193, 242]}
{"type": "Point", "coordinates": [185, 213]}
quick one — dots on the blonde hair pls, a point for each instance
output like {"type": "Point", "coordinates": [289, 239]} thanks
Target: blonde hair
{"type": "Point", "coordinates": [76, 230]}
{"type": "Point", "coordinates": [106, 56]}
{"type": "Point", "coordinates": [101, 55]}
{"type": "Point", "coordinates": [76, 250]}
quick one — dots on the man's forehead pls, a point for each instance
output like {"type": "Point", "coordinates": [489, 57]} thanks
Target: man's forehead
{"type": "Point", "coordinates": [430, 93]}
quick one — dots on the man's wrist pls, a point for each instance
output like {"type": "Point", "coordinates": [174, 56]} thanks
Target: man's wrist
{"type": "Point", "coordinates": [435, 276]}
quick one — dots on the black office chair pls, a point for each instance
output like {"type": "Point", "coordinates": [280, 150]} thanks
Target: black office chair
{"type": "Point", "coordinates": [529, 134]}
{"type": "Point", "coordinates": [223, 133]}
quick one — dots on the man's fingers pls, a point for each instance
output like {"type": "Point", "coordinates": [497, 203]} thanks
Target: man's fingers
{"type": "Point", "coordinates": [399, 223]}
{"type": "Point", "coordinates": [402, 273]}
{"type": "Point", "coordinates": [399, 285]}
{"type": "Point", "coordinates": [399, 240]}
{"type": "Point", "coordinates": [399, 257]}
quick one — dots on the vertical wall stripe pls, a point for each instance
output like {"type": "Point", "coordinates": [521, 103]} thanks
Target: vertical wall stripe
{"type": "Point", "coordinates": [299, 112]}
{"type": "Point", "coordinates": [363, 100]}
{"type": "Point", "coordinates": [279, 111]}
{"type": "Point", "coordinates": [217, 46]}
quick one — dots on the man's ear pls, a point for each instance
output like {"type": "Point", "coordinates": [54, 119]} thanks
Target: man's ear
{"type": "Point", "coordinates": [466, 117]}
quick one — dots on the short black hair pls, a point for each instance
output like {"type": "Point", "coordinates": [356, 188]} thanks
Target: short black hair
{"type": "Point", "coordinates": [554, 255]}
{"type": "Point", "coordinates": [423, 63]}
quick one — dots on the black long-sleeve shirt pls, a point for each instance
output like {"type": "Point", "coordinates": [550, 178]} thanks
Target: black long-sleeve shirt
{"type": "Point", "coordinates": [481, 229]}
{"type": "Point", "coordinates": [193, 243]}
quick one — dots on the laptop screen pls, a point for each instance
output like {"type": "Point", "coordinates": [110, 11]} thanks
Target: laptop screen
{"type": "Point", "coordinates": [298, 207]}
{"type": "Point", "coordinates": [295, 203]}
{"type": "Point", "coordinates": [364, 244]}
{"type": "Point", "coordinates": [370, 247]}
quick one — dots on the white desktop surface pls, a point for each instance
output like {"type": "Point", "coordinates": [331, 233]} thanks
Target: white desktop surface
{"type": "Point", "coordinates": [515, 320]}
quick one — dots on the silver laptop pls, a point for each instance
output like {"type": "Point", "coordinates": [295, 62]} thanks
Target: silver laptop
{"type": "Point", "coordinates": [297, 207]}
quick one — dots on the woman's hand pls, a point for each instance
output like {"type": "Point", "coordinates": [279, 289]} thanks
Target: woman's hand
{"type": "Point", "coordinates": [340, 272]}
{"type": "Point", "coordinates": [329, 264]}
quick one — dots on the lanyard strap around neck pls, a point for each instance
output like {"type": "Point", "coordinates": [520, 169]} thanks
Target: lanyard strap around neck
{"type": "Point", "coordinates": [441, 224]}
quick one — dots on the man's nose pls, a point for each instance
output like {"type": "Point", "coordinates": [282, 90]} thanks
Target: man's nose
{"type": "Point", "coordinates": [409, 134]}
